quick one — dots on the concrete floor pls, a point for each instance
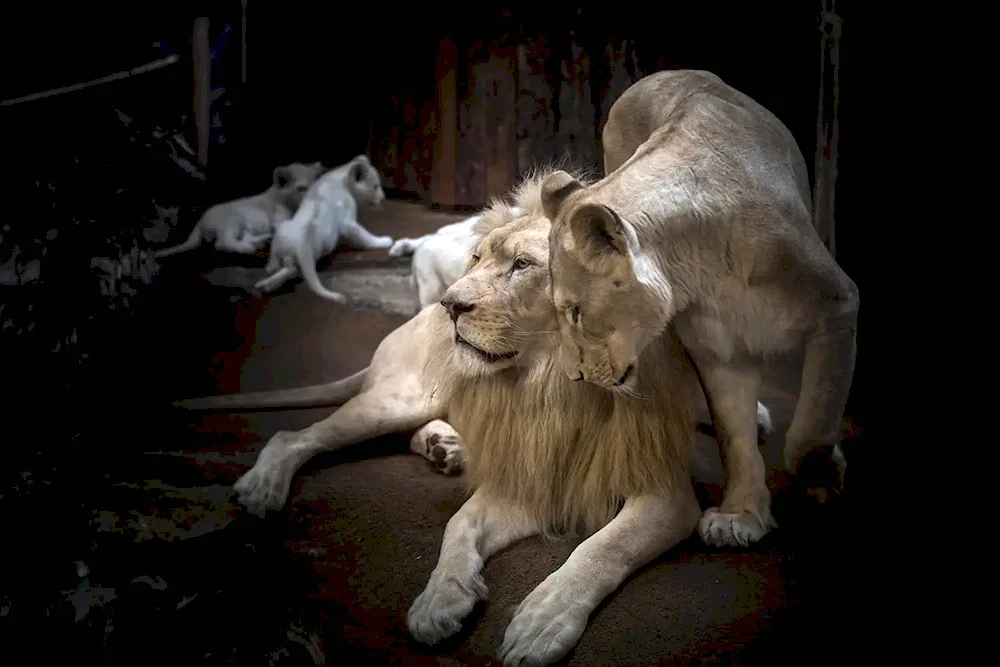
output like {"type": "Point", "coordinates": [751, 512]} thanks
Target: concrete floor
{"type": "Point", "coordinates": [366, 524]}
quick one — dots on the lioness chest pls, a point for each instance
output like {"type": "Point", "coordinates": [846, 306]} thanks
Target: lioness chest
{"type": "Point", "coordinates": [733, 321]}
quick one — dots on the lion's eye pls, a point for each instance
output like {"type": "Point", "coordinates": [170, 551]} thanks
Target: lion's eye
{"type": "Point", "coordinates": [520, 264]}
{"type": "Point", "coordinates": [475, 258]}
{"type": "Point", "coordinates": [574, 314]}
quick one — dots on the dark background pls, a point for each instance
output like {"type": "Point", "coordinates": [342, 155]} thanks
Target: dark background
{"type": "Point", "coordinates": [320, 86]}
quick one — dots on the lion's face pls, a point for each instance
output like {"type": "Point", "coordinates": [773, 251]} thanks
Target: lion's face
{"type": "Point", "coordinates": [294, 180]}
{"type": "Point", "coordinates": [364, 182]}
{"type": "Point", "coordinates": [501, 309]}
{"type": "Point", "coordinates": [606, 312]}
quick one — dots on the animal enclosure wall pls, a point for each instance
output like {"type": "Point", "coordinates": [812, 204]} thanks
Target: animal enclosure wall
{"type": "Point", "coordinates": [493, 98]}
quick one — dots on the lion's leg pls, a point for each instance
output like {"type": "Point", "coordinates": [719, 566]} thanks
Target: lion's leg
{"type": "Point", "coordinates": [367, 415]}
{"type": "Point", "coordinates": [745, 513]}
{"type": "Point", "coordinates": [362, 239]}
{"type": "Point", "coordinates": [811, 447]}
{"type": "Point", "coordinates": [276, 279]}
{"type": "Point", "coordinates": [550, 620]}
{"type": "Point", "coordinates": [480, 528]}
{"type": "Point", "coordinates": [441, 445]}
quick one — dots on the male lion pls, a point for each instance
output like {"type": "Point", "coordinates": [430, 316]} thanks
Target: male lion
{"type": "Point", "coordinates": [703, 220]}
{"type": "Point", "coordinates": [246, 225]}
{"type": "Point", "coordinates": [543, 454]}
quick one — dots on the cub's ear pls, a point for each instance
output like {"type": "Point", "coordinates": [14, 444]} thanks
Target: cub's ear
{"type": "Point", "coordinates": [555, 188]}
{"type": "Point", "coordinates": [282, 177]}
{"type": "Point", "coordinates": [598, 232]}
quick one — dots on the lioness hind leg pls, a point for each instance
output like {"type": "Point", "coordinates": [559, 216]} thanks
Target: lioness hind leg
{"type": "Point", "coordinates": [366, 416]}
{"type": "Point", "coordinates": [811, 448]}
{"type": "Point", "coordinates": [745, 514]}
{"type": "Point", "coordinates": [441, 445]}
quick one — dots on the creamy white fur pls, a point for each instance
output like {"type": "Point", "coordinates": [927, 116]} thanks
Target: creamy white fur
{"type": "Point", "coordinates": [246, 225]}
{"type": "Point", "coordinates": [328, 214]}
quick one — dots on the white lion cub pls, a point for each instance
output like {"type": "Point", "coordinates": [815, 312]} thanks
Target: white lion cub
{"type": "Point", "coordinates": [441, 258]}
{"type": "Point", "coordinates": [328, 214]}
{"type": "Point", "coordinates": [246, 225]}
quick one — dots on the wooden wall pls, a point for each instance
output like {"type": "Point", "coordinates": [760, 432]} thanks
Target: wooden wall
{"type": "Point", "coordinates": [488, 103]}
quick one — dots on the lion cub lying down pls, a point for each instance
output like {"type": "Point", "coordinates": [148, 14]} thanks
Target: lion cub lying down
{"type": "Point", "coordinates": [246, 225]}
{"type": "Point", "coordinates": [544, 454]}
{"type": "Point", "coordinates": [328, 214]}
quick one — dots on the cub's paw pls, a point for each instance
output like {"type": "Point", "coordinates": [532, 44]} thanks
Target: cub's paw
{"type": "Point", "coordinates": [401, 247]}
{"type": "Point", "coordinates": [437, 613]}
{"type": "Point", "coordinates": [266, 485]}
{"type": "Point", "coordinates": [443, 451]}
{"type": "Point", "coordinates": [546, 626]}
{"type": "Point", "coordinates": [734, 529]}
{"type": "Point", "coordinates": [384, 242]}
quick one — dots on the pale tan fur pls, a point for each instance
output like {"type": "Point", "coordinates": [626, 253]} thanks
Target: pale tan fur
{"type": "Point", "coordinates": [246, 225]}
{"type": "Point", "coordinates": [544, 454]}
{"type": "Point", "coordinates": [703, 221]}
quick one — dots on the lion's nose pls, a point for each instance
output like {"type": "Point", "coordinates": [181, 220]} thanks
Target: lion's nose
{"type": "Point", "coordinates": [455, 307]}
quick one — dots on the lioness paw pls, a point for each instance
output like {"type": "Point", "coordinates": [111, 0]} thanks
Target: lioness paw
{"type": "Point", "coordinates": [437, 613]}
{"type": "Point", "coordinates": [383, 242]}
{"type": "Point", "coordinates": [734, 529]}
{"type": "Point", "coordinates": [545, 627]}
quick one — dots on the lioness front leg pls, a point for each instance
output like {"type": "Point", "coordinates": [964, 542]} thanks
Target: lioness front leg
{"type": "Point", "coordinates": [745, 514]}
{"type": "Point", "coordinates": [480, 528]}
{"type": "Point", "coordinates": [441, 445]}
{"type": "Point", "coordinates": [549, 622]}
{"type": "Point", "coordinates": [366, 416]}
{"type": "Point", "coordinates": [811, 443]}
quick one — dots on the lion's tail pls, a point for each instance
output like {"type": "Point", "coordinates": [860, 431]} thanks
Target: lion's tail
{"type": "Point", "coordinates": [193, 241]}
{"type": "Point", "coordinates": [314, 396]}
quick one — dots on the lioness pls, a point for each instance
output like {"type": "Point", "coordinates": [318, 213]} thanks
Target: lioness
{"type": "Point", "coordinates": [329, 213]}
{"type": "Point", "coordinates": [246, 225]}
{"type": "Point", "coordinates": [703, 220]}
{"type": "Point", "coordinates": [544, 454]}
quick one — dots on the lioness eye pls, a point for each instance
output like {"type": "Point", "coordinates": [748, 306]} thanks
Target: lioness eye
{"type": "Point", "coordinates": [575, 314]}
{"type": "Point", "coordinates": [475, 258]}
{"type": "Point", "coordinates": [520, 263]}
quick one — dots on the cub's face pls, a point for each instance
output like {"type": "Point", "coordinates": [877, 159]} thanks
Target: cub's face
{"type": "Point", "coordinates": [294, 180]}
{"type": "Point", "coordinates": [500, 309]}
{"type": "Point", "coordinates": [364, 182]}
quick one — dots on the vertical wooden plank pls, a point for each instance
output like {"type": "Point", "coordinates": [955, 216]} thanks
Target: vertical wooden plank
{"type": "Point", "coordinates": [202, 88]}
{"type": "Point", "coordinates": [444, 145]}
{"type": "Point", "coordinates": [470, 167]}
{"type": "Point", "coordinates": [827, 128]}
{"type": "Point", "coordinates": [500, 119]}
{"type": "Point", "coordinates": [535, 115]}
{"type": "Point", "coordinates": [426, 136]}
{"type": "Point", "coordinates": [405, 176]}
{"type": "Point", "coordinates": [577, 133]}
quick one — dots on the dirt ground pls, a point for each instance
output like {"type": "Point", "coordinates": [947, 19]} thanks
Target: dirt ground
{"type": "Point", "coordinates": [360, 535]}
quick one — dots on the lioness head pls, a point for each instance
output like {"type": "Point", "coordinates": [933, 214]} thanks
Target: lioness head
{"type": "Point", "coordinates": [364, 182]}
{"type": "Point", "coordinates": [500, 308]}
{"type": "Point", "coordinates": [292, 181]}
{"type": "Point", "coordinates": [607, 309]}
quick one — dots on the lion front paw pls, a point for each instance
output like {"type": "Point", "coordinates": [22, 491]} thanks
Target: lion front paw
{"type": "Point", "coordinates": [266, 485]}
{"type": "Point", "coordinates": [733, 529]}
{"type": "Point", "coordinates": [546, 626]}
{"type": "Point", "coordinates": [437, 613]}
{"type": "Point", "coordinates": [820, 472]}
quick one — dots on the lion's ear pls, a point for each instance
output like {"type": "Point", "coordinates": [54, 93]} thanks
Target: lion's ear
{"type": "Point", "coordinates": [555, 188]}
{"type": "Point", "coordinates": [598, 232]}
{"type": "Point", "coordinates": [282, 177]}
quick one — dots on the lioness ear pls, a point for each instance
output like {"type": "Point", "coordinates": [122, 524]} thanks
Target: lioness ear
{"type": "Point", "coordinates": [282, 177]}
{"type": "Point", "coordinates": [555, 188]}
{"type": "Point", "coordinates": [598, 232]}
